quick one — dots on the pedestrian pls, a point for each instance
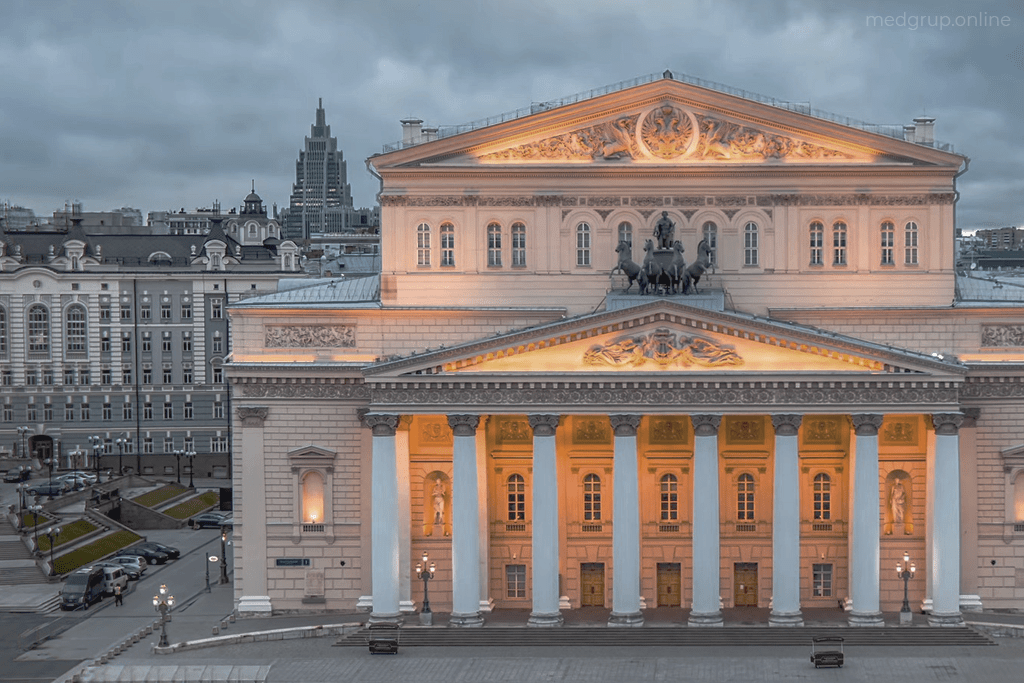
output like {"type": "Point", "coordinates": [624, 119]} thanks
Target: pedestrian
{"type": "Point", "coordinates": [118, 597]}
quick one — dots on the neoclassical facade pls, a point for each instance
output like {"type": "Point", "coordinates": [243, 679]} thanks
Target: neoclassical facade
{"type": "Point", "coordinates": [819, 403]}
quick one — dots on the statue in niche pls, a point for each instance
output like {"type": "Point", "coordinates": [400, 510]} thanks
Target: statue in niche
{"type": "Point", "coordinates": [897, 502]}
{"type": "Point", "coordinates": [664, 231]}
{"type": "Point", "coordinates": [438, 497]}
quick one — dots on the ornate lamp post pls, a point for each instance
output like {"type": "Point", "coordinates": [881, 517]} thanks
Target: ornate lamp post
{"type": "Point", "coordinates": [97, 445]}
{"type": "Point", "coordinates": [21, 506]}
{"type": "Point", "coordinates": [177, 457]}
{"type": "Point", "coordinates": [426, 573]}
{"type": "Point", "coordinates": [905, 572]}
{"type": "Point", "coordinates": [163, 604]}
{"type": "Point", "coordinates": [138, 455]}
{"type": "Point", "coordinates": [120, 454]}
{"type": "Point", "coordinates": [223, 555]}
{"type": "Point", "coordinates": [49, 464]}
{"type": "Point", "coordinates": [23, 433]}
{"type": "Point", "coordinates": [76, 455]}
{"type": "Point", "coordinates": [191, 455]}
{"type": "Point", "coordinates": [52, 533]}
{"type": "Point", "coordinates": [36, 509]}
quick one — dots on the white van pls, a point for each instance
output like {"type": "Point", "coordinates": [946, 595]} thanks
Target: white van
{"type": "Point", "coordinates": [114, 576]}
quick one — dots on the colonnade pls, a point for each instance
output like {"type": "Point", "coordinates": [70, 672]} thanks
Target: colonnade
{"type": "Point", "coordinates": [944, 488]}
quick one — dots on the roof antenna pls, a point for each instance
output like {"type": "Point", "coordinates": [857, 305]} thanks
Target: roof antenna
{"type": "Point", "coordinates": [254, 185]}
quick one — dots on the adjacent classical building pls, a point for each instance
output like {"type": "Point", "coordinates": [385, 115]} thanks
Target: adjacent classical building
{"type": "Point", "coordinates": [123, 337]}
{"type": "Point", "coordinates": [820, 401]}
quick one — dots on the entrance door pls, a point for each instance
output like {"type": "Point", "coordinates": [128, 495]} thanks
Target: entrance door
{"type": "Point", "coordinates": [592, 584]}
{"type": "Point", "coordinates": [745, 584]}
{"type": "Point", "coordinates": [669, 584]}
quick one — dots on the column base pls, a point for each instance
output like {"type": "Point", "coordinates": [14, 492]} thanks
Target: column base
{"type": "Point", "coordinates": [487, 605]}
{"type": "Point", "coordinates": [971, 603]}
{"type": "Point", "coordinates": [549, 620]}
{"type": "Point", "coordinates": [926, 606]}
{"type": "Point", "coordinates": [364, 603]}
{"type": "Point", "coordinates": [953, 620]}
{"type": "Point", "coordinates": [404, 606]}
{"type": "Point", "coordinates": [393, 618]}
{"type": "Point", "coordinates": [786, 619]}
{"type": "Point", "coordinates": [633, 619]}
{"type": "Point", "coordinates": [868, 619]}
{"type": "Point", "coordinates": [700, 620]}
{"type": "Point", "coordinates": [563, 602]}
{"type": "Point", "coordinates": [255, 606]}
{"type": "Point", "coordinates": [474, 620]}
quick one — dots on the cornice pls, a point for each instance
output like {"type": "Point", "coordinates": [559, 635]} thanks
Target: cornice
{"type": "Point", "coordinates": [667, 200]}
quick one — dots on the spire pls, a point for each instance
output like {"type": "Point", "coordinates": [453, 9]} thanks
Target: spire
{"type": "Point", "coordinates": [254, 186]}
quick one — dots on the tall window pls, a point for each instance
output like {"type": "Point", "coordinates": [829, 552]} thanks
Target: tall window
{"type": "Point", "coordinates": [313, 498]}
{"type": "Point", "coordinates": [888, 240]}
{"type": "Point", "coordinates": [583, 244]}
{"type": "Point", "coordinates": [817, 236]}
{"type": "Point", "coordinates": [38, 330]}
{"type": "Point", "coordinates": [745, 498]}
{"type": "Point", "coordinates": [447, 244]}
{"type": "Point", "coordinates": [168, 411]}
{"type": "Point", "coordinates": [626, 233]}
{"type": "Point", "coordinates": [216, 308]}
{"type": "Point", "coordinates": [186, 311]}
{"type": "Point", "coordinates": [165, 310]}
{"type": "Point", "coordinates": [592, 498]}
{"type": "Point", "coordinates": [493, 244]}
{"type": "Point", "coordinates": [518, 245]}
{"type": "Point", "coordinates": [74, 330]}
{"type": "Point", "coordinates": [669, 498]}
{"type": "Point", "coordinates": [515, 580]}
{"type": "Point", "coordinates": [910, 243]}
{"type": "Point", "coordinates": [3, 332]}
{"type": "Point", "coordinates": [516, 488]}
{"type": "Point", "coordinates": [710, 233]}
{"type": "Point", "coordinates": [750, 244]}
{"type": "Point", "coordinates": [126, 342]}
{"type": "Point", "coordinates": [822, 497]}
{"type": "Point", "coordinates": [822, 580]}
{"type": "Point", "coordinates": [126, 411]}
{"type": "Point", "coordinates": [423, 245]}
{"type": "Point", "coordinates": [839, 243]}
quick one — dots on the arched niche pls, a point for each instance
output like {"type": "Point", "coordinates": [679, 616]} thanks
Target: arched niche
{"type": "Point", "coordinates": [437, 508]}
{"type": "Point", "coordinates": [899, 496]}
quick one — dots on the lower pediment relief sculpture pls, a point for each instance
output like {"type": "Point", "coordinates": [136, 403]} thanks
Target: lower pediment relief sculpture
{"type": "Point", "coordinates": [310, 336]}
{"type": "Point", "coordinates": [662, 348]}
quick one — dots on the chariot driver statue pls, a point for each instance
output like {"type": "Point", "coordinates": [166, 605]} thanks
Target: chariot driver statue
{"type": "Point", "coordinates": [664, 231]}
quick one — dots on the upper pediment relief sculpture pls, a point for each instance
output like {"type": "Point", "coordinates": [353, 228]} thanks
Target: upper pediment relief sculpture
{"type": "Point", "coordinates": [667, 133]}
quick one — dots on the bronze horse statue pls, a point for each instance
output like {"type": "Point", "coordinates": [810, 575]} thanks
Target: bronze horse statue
{"type": "Point", "coordinates": [677, 270]}
{"type": "Point", "coordinates": [629, 268]}
{"type": "Point", "coordinates": [653, 272]}
{"type": "Point", "coordinates": [698, 267]}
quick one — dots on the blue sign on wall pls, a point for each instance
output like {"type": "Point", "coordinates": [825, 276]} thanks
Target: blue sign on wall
{"type": "Point", "coordinates": [292, 562]}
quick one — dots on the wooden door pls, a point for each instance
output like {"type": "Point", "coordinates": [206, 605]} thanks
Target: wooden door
{"type": "Point", "coordinates": [592, 584]}
{"type": "Point", "coordinates": [745, 584]}
{"type": "Point", "coordinates": [669, 584]}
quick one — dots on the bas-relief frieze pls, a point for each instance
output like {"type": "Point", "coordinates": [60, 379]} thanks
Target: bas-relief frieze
{"type": "Point", "coordinates": [514, 431]}
{"type": "Point", "coordinates": [1002, 335]}
{"type": "Point", "coordinates": [665, 431]}
{"type": "Point", "coordinates": [937, 198]}
{"type": "Point", "coordinates": [310, 336]}
{"type": "Point", "coordinates": [304, 390]}
{"type": "Point", "coordinates": [741, 430]}
{"type": "Point", "coordinates": [822, 431]}
{"type": "Point", "coordinates": [663, 348]}
{"type": "Point", "coordinates": [900, 432]}
{"type": "Point", "coordinates": [1009, 387]}
{"type": "Point", "coordinates": [590, 431]}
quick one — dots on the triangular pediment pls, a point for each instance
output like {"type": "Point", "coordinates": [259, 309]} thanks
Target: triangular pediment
{"type": "Point", "coordinates": [664, 339]}
{"type": "Point", "coordinates": [666, 122]}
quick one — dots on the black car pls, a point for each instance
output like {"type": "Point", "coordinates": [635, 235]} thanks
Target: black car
{"type": "Point", "coordinates": [171, 552]}
{"type": "Point", "coordinates": [18, 474]}
{"type": "Point", "coordinates": [152, 555]}
{"type": "Point", "coordinates": [207, 520]}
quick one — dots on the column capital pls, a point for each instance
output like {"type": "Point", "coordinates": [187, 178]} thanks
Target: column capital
{"type": "Point", "coordinates": [463, 425]}
{"type": "Point", "coordinates": [866, 424]}
{"type": "Point", "coordinates": [625, 425]}
{"type": "Point", "coordinates": [252, 416]}
{"type": "Point", "coordinates": [947, 423]}
{"type": "Point", "coordinates": [544, 425]}
{"type": "Point", "coordinates": [786, 424]}
{"type": "Point", "coordinates": [382, 424]}
{"type": "Point", "coordinates": [706, 425]}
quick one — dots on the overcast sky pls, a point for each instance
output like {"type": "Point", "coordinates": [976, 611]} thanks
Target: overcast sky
{"type": "Point", "coordinates": [163, 105]}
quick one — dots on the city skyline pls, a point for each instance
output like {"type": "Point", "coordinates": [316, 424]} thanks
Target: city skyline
{"type": "Point", "coordinates": [162, 106]}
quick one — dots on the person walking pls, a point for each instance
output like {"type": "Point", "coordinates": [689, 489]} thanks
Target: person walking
{"type": "Point", "coordinates": [118, 596]}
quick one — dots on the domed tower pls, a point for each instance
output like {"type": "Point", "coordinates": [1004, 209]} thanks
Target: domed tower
{"type": "Point", "coordinates": [253, 204]}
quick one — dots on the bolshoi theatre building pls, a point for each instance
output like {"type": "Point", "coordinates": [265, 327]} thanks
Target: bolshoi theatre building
{"type": "Point", "coordinates": [666, 344]}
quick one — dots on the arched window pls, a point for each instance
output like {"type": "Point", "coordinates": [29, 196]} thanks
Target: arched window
{"type": "Point", "coordinates": [745, 498]}
{"type": "Point", "coordinates": [1018, 498]}
{"type": "Point", "coordinates": [910, 243]}
{"type": "Point", "coordinates": [817, 235]}
{"type": "Point", "coordinates": [38, 330]}
{"type": "Point", "coordinates": [313, 498]}
{"type": "Point", "coordinates": [518, 244]}
{"type": "Point", "coordinates": [888, 240]}
{"type": "Point", "coordinates": [3, 332]}
{"type": "Point", "coordinates": [710, 232]}
{"type": "Point", "coordinates": [494, 245]}
{"type": "Point", "coordinates": [515, 486]}
{"type": "Point", "coordinates": [750, 244]}
{"type": "Point", "coordinates": [626, 232]}
{"type": "Point", "coordinates": [592, 498]}
{"type": "Point", "coordinates": [839, 243]}
{"type": "Point", "coordinates": [669, 498]}
{"type": "Point", "coordinates": [74, 330]}
{"type": "Point", "coordinates": [583, 244]}
{"type": "Point", "coordinates": [447, 244]}
{"type": "Point", "coordinates": [822, 497]}
{"type": "Point", "coordinates": [423, 245]}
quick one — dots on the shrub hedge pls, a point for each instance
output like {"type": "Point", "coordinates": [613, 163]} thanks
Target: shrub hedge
{"type": "Point", "coordinates": [68, 532]}
{"type": "Point", "coordinates": [153, 498]}
{"type": "Point", "coordinates": [194, 505]}
{"type": "Point", "coordinates": [87, 554]}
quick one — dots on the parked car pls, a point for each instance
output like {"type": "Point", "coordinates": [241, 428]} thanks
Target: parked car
{"type": "Point", "coordinates": [82, 588]}
{"type": "Point", "coordinates": [133, 570]}
{"type": "Point", "coordinates": [152, 555]}
{"type": "Point", "coordinates": [87, 477]}
{"type": "Point", "coordinates": [73, 481]}
{"type": "Point", "coordinates": [130, 561]}
{"type": "Point", "coordinates": [21, 473]}
{"type": "Point", "coordinates": [113, 576]}
{"type": "Point", "coordinates": [47, 489]}
{"type": "Point", "coordinates": [171, 552]}
{"type": "Point", "coordinates": [207, 520]}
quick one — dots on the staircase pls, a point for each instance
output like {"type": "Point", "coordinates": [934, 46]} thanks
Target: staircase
{"type": "Point", "coordinates": [747, 636]}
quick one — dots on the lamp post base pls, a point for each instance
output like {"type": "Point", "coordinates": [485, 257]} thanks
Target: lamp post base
{"type": "Point", "coordinates": [906, 617]}
{"type": "Point", "coordinates": [426, 618]}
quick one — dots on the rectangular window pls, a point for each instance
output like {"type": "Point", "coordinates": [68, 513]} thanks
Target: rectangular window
{"type": "Point", "coordinates": [817, 243]}
{"type": "Point", "coordinates": [187, 376]}
{"type": "Point", "coordinates": [518, 245]}
{"type": "Point", "coordinates": [515, 580]}
{"type": "Point", "coordinates": [30, 413]}
{"type": "Point", "coordinates": [216, 308]}
{"type": "Point", "coordinates": [218, 410]}
{"type": "Point", "coordinates": [168, 411]}
{"type": "Point", "coordinates": [186, 342]}
{"type": "Point", "coordinates": [188, 410]}
{"type": "Point", "coordinates": [186, 311]}
{"type": "Point", "coordinates": [147, 375]}
{"type": "Point", "coordinates": [85, 411]}
{"type": "Point", "coordinates": [126, 312]}
{"type": "Point", "coordinates": [147, 445]}
{"type": "Point", "coordinates": [219, 444]}
{"type": "Point", "coordinates": [48, 377]}
{"type": "Point", "coordinates": [218, 346]}
{"type": "Point", "coordinates": [145, 312]}
{"type": "Point", "coordinates": [126, 411]}
{"type": "Point", "coordinates": [147, 411]}
{"type": "Point", "coordinates": [129, 445]}
{"type": "Point", "coordinates": [108, 412]}
{"type": "Point", "coordinates": [147, 343]}
{"type": "Point", "coordinates": [105, 340]}
{"type": "Point", "coordinates": [69, 412]}
{"type": "Point", "coordinates": [165, 312]}
{"type": "Point", "coordinates": [822, 580]}
{"type": "Point", "coordinates": [31, 378]}
{"type": "Point", "coordinates": [48, 412]}
{"type": "Point", "coordinates": [218, 376]}
{"type": "Point", "coordinates": [167, 375]}
{"type": "Point", "coordinates": [105, 312]}
{"type": "Point", "coordinates": [8, 413]}
{"type": "Point", "coordinates": [69, 376]}
{"type": "Point", "coordinates": [190, 443]}
{"type": "Point", "coordinates": [168, 445]}
{"type": "Point", "coordinates": [105, 376]}
{"type": "Point", "coordinates": [108, 446]}
{"type": "Point", "coordinates": [888, 239]}
{"type": "Point", "coordinates": [165, 345]}
{"type": "Point", "coordinates": [447, 244]}
{"type": "Point", "coordinates": [126, 376]}
{"type": "Point", "coordinates": [84, 377]}
{"type": "Point", "coordinates": [6, 377]}
{"type": "Point", "coordinates": [126, 342]}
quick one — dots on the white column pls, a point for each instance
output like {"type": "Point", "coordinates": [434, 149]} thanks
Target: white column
{"type": "Point", "coordinates": [625, 524]}
{"type": "Point", "coordinates": [706, 549]}
{"type": "Point", "coordinates": [465, 524]}
{"type": "Point", "coordinates": [486, 603]}
{"type": "Point", "coordinates": [945, 558]}
{"type": "Point", "coordinates": [864, 562]}
{"type": "Point", "coordinates": [251, 572]}
{"type": "Point", "coordinates": [786, 524]}
{"type": "Point", "coordinates": [405, 563]}
{"type": "Point", "coordinates": [544, 514]}
{"type": "Point", "coordinates": [385, 553]}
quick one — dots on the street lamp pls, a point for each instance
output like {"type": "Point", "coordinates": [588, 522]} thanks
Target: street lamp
{"type": "Point", "coordinates": [210, 559]}
{"type": "Point", "coordinates": [36, 509]}
{"type": "Point", "coordinates": [425, 572]}
{"type": "Point", "coordinates": [120, 453]}
{"type": "Point", "coordinates": [76, 456]}
{"type": "Point", "coordinates": [23, 433]}
{"type": "Point", "coordinates": [177, 457]}
{"type": "Point", "coordinates": [49, 464]}
{"type": "Point", "coordinates": [97, 445]}
{"type": "Point", "coordinates": [163, 604]}
{"type": "Point", "coordinates": [52, 533]}
{"type": "Point", "coordinates": [905, 572]}
{"type": "Point", "coordinates": [191, 455]}
{"type": "Point", "coordinates": [223, 555]}
{"type": "Point", "coordinates": [21, 506]}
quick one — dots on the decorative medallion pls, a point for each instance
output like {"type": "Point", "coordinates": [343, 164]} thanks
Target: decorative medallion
{"type": "Point", "coordinates": [667, 132]}
{"type": "Point", "coordinates": [741, 430]}
{"type": "Point", "coordinates": [666, 431]}
{"type": "Point", "coordinates": [591, 430]}
{"type": "Point", "coordinates": [822, 431]}
{"type": "Point", "coordinates": [514, 430]}
{"type": "Point", "coordinates": [435, 433]}
{"type": "Point", "coordinates": [902, 432]}
{"type": "Point", "coordinates": [663, 348]}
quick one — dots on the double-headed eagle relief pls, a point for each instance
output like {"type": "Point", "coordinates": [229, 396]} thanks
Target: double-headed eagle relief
{"type": "Point", "coordinates": [664, 348]}
{"type": "Point", "coordinates": [667, 133]}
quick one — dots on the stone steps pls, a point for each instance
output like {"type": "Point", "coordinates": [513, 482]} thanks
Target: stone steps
{"type": "Point", "coordinates": [501, 636]}
{"type": "Point", "coordinates": [14, 550]}
{"type": "Point", "coordinates": [14, 576]}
